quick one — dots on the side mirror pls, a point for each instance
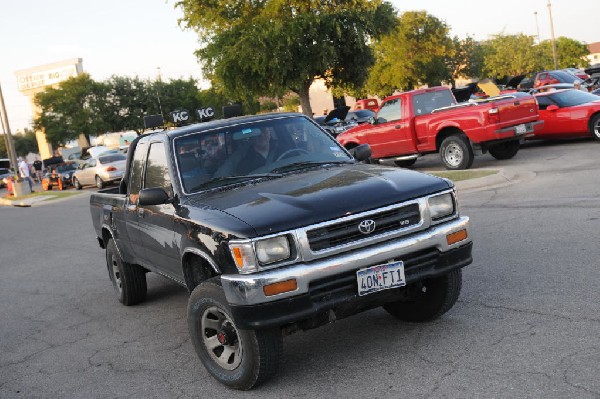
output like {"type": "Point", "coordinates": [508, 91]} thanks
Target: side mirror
{"type": "Point", "coordinates": [372, 120]}
{"type": "Point", "coordinates": [153, 196]}
{"type": "Point", "coordinates": [552, 107]}
{"type": "Point", "coordinates": [362, 152]}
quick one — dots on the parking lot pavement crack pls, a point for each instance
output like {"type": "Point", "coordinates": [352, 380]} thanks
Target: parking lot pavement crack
{"type": "Point", "coordinates": [534, 312]}
{"type": "Point", "coordinates": [566, 363]}
{"type": "Point", "coordinates": [530, 327]}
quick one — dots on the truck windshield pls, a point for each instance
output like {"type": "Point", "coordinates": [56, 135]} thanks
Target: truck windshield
{"type": "Point", "coordinates": [426, 103]}
{"type": "Point", "coordinates": [253, 150]}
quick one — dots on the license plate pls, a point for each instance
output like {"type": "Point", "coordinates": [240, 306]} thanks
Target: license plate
{"type": "Point", "coordinates": [380, 277]}
{"type": "Point", "coordinates": [520, 129]}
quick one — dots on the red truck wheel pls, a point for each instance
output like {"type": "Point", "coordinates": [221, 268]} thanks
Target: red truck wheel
{"type": "Point", "coordinates": [456, 152]}
{"type": "Point", "coordinates": [505, 150]}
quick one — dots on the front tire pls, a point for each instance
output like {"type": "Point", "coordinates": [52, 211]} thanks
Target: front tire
{"type": "Point", "coordinates": [505, 150]}
{"type": "Point", "coordinates": [129, 281]}
{"type": "Point", "coordinates": [76, 183]}
{"type": "Point", "coordinates": [429, 299]}
{"type": "Point", "coordinates": [239, 359]}
{"type": "Point", "coordinates": [99, 182]}
{"type": "Point", "coordinates": [456, 152]}
{"type": "Point", "coordinates": [595, 126]}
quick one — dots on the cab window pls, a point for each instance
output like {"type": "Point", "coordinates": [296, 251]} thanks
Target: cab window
{"type": "Point", "coordinates": [137, 167]}
{"type": "Point", "coordinates": [390, 111]}
{"type": "Point", "coordinates": [157, 169]}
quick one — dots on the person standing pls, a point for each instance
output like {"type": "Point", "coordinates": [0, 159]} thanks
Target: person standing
{"type": "Point", "coordinates": [37, 164]}
{"type": "Point", "coordinates": [24, 172]}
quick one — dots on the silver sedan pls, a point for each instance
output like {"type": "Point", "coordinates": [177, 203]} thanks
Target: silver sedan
{"type": "Point", "coordinates": [100, 171]}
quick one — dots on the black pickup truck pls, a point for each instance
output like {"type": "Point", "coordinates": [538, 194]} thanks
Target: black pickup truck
{"type": "Point", "coordinates": [274, 227]}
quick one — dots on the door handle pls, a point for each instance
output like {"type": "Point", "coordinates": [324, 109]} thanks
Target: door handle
{"type": "Point", "coordinates": [400, 126]}
{"type": "Point", "coordinates": [517, 103]}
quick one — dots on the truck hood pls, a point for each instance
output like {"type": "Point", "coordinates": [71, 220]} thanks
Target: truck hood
{"type": "Point", "coordinates": [312, 196]}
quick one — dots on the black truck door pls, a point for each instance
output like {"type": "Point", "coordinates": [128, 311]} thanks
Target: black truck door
{"type": "Point", "coordinates": [132, 210]}
{"type": "Point", "coordinates": [157, 221]}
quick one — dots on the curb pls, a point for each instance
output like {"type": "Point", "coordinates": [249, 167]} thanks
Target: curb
{"type": "Point", "coordinates": [501, 179]}
{"type": "Point", "coordinates": [38, 200]}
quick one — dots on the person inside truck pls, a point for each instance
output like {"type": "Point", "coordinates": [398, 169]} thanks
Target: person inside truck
{"type": "Point", "coordinates": [261, 151]}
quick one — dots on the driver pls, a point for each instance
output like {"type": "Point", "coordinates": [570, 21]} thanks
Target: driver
{"type": "Point", "coordinates": [261, 152]}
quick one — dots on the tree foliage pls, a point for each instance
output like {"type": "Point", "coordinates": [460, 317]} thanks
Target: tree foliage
{"type": "Point", "coordinates": [510, 55]}
{"type": "Point", "coordinates": [468, 58]}
{"type": "Point", "coordinates": [417, 52]}
{"type": "Point", "coordinates": [570, 53]}
{"type": "Point", "coordinates": [71, 109]}
{"type": "Point", "coordinates": [270, 47]}
{"type": "Point", "coordinates": [81, 105]}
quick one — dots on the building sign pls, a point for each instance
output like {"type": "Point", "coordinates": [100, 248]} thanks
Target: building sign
{"type": "Point", "coordinates": [47, 75]}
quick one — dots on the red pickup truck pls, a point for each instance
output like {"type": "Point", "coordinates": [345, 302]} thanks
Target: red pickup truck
{"type": "Point", "coordinates": [423, 121]}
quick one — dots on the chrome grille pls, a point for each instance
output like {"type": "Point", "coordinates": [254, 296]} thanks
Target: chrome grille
{"type": "Point", "coordinates": [346, 232]}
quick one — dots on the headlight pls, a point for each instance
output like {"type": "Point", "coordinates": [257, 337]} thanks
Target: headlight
{"type": "Point", "coordinates": [272, 250]}
{"type": "Point", "coordinates": [441, 206]}
{"type": "Point", "coordinates": [66, 176]}
{"type": "Point", "coordinates": [248, 256]}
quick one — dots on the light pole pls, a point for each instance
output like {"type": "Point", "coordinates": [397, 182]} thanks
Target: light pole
{"type": "Point", "coordinates": [554, 56]}
{"type": "Point", "coordinates": [10, 147]}
{"type": "Point", "coordinates": [537, 27]}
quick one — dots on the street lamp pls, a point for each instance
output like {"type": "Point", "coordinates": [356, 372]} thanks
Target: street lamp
{"type": "Point", "coordinates": [537, 27]}
{"type": "Point", "coordinates": [552, 32]}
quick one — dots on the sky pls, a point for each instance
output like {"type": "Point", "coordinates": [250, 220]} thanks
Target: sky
{"type": "Point", "coordinates": [142, 37]}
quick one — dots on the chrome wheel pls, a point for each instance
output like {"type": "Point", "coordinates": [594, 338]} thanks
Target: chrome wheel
{"type": "Point", "coordinates": [596, 127]}
{"type": "Point", "coordinates": [116, 274]}
{"type": "Point", "coordinates": [453, 154]}
{"type": "Point", "coordinates": [221, 338]}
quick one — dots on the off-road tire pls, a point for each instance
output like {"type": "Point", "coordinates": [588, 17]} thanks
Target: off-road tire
{"type": "Point", "coordinates": [407, 163]}
{"type": "Point", "coordinates": [595, 126]}
{"type": "Point", "coordinates": [252, 356]}
{"type": "Point", "coordinates": [506, 150]}
{"type": "Point", "coordinates": [77, 184]}
{"type": "Point", "coordinates": [456, 152]}
{"type": "Point", "coordinates": [429, 299]}
{"type": "Point", "coordinates": [129, 281]}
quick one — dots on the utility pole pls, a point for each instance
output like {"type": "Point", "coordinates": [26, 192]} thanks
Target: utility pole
{"type": "Point", "coordinates": [537, 27]}
{"type": "Point", "coordinates": [554, 56]}
{"type": "Point", "coordinates": [10, 147]}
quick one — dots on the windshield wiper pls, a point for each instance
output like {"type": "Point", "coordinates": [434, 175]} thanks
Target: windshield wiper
{"type": "Point", "coordinates": [307, 164]}
{"type": "Point", "coordinates": [235, 178]}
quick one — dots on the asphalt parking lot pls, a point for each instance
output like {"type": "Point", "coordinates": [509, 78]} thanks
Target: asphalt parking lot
{"type": "Point", "coordinates": [526, 324]}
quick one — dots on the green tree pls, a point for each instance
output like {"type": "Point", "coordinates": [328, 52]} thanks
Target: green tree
{"type": "Point", "coordinates": [270, 47]}
{"type": "Point", "coordinates": [510, 55]}
{"type": "Point", "coordinates": [25, 142]}
{"type": "Point", "coordinates": [71, 109]}
{"type": "Point", "coordinates": [418, 52]}
{"type": "Point", "coordinates": [468, 59]}
{"type": "Point", "coordinates": [127, 101]}
{"type": "Point", "coordinates": [570, 53]}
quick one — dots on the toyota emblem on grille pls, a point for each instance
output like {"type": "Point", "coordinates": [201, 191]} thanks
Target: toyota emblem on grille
{"type": "Point", "coordinates": [366, 226]}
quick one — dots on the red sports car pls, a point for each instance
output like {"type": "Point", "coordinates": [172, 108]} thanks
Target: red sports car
{"type": "Point", "coordinates": [568, 114]}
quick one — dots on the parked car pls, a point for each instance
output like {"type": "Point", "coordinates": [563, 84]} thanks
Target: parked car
{"type": "Point", "coordinates": [551, 77]}
{"type": "Point", "coordinates": [568, 114]}
{"type": "Point", "coordinates": [580, 73]}
{"type": "Point", "coordinates": [100, 171]}
{"type": "Point", "coordinates": [359, 116]}
{"type": "Point", "coordinates": [4, 175]}
{"type": "Point", "coordinates": [58, 173]}
{"type": "Point", "coordinates": [335, 122]}
{"type": "Point", "coordinates": [553, 87]}
{"type": "Point", "coordinates": [368, 103]}
{"type": "Point", "coordinates": [424, 121]}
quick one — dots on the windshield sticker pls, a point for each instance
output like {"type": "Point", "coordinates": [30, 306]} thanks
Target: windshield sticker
{"type": "Point", "coordinates": [338, 154]}
{"type": "Point", "coordinates": [334, 148]}
{"type": "Point", "coordinates": [246, 131]}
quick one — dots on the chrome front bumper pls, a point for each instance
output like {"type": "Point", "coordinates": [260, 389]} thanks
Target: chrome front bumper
{"type": "Point", "coordinates": [247, 289]}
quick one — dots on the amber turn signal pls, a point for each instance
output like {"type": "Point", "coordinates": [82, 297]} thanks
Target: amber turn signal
{"type": "Point", "coordinates": [281, 287]}
{"type": "Point", "coordinates": [456, 237]}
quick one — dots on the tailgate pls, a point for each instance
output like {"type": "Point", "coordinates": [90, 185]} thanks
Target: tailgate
{"type": "Point", "coordinates": [514, 111]}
